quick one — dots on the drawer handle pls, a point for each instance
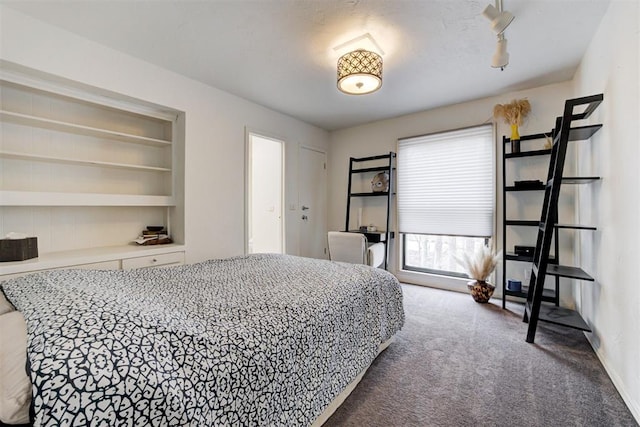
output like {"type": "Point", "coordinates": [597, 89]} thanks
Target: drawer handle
{"type": "Point", "coordinates": [154, 260]}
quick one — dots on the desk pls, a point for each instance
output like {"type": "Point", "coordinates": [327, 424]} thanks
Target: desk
{"type": "Point", "coordinates": [374, 237]}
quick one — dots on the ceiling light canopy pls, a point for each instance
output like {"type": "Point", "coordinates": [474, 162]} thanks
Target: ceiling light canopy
{"type": "Point", "coordinates": [359, 72]}
{"type": "Point", "coordinates": [500, 19]}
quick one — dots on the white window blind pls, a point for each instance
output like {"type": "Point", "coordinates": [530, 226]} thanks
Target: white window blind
{"type": "Point", "coordinates": [446, 183]}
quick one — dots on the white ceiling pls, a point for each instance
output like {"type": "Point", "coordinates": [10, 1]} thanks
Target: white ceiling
{"type": "Point", "coordinates": [279, 53]}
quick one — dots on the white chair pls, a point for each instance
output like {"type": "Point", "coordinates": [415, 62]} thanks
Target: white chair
{"type": "Point", "coordinates": [354, 248]}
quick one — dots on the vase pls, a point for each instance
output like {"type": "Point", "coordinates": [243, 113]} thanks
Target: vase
{"type": "Point", "coordinates": [481, 291]}
{"type": "Point", "coordinates": [515, 139]}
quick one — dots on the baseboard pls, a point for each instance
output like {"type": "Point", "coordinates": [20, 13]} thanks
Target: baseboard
{"type": "Point", "coordinates": [634, 407]}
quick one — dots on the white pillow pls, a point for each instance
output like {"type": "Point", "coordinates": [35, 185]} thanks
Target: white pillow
{"type": "Point", "coordinates": [5, 306]}
{"type": "Point", "coordinates": [15, 387]}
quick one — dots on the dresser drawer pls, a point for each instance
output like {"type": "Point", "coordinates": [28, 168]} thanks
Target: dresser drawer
{"type": "Point", "coordinates": [105, 265]}
{"type": "Point", "coordinates": [172, 258]}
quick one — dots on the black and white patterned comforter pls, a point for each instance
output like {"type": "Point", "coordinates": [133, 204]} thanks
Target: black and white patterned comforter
{"type": "Point", "coordinates": [254, 340]}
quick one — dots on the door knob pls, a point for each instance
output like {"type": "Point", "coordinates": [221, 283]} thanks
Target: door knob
{"type": "Point", "coordinates": [304, 208]}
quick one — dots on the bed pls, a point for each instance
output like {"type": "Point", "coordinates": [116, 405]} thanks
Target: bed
{"type": "Point", "coordinates": [253, 340]}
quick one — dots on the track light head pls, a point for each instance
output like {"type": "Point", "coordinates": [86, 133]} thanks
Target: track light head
{"type": "Point", "coordinates": [500, 58]}
{"type": "Point", "coordinates": [500, 20]}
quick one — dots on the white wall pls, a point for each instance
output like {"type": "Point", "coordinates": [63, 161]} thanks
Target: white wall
{"type": "Point", "coordinates": [215, 127]}
{"type": "Point", "coordinates": [381, 137]}
{"type": "Point", "coordinates": [611, 305]}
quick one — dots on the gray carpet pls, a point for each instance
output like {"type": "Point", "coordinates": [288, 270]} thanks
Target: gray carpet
{"type": "Point", "coordinates": [459, 363]}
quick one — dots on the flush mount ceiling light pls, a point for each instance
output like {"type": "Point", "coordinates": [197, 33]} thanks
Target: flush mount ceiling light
{"type": "Point", "coordinates": [359, 72]}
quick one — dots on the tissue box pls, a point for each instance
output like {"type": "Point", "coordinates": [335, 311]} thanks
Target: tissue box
{"type": "Point", "coordinates": [18, 249]}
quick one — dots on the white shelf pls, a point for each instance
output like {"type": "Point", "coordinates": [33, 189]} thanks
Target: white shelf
{"type": "Point", "coordinates": [85, 256]}
{"type": "Point", "coordinates": [66, 160]}
{"type": "Point", "coordinates": [35, 198]}
{"type": "Point", "coordinates": [26, 78]}
{"type": "Point", "coordinates": [112, 165]}
{"type": "Point", "coordinates": [28, 120]}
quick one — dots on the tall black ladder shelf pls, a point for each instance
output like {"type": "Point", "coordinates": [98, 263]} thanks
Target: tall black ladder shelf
{"type": "Point", "coordinates": [549, 295]}
{"type": "Point", "coordinates": [562, 134]}
{"type": "Point", "coordinates": [380, 235]}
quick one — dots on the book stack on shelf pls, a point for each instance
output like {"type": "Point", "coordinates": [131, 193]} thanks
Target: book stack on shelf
{"type": "Point", "coordinates": [535, 183]}
{"type": "Point", "coordinates": [154, 235]}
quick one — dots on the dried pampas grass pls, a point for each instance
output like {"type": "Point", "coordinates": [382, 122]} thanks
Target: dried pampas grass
{"type": "Point", "coordinates": [480, 266]}
{"type": "Point", "coordinates": [513, 112]}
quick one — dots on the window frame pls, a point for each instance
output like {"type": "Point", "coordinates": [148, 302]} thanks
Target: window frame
{"type": "Point", "coordinates": [452, 274]}
{"type": "Point", "coordinates": [436, 278]}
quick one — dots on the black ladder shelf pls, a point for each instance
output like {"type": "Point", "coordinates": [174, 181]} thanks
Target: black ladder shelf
{"type": "Point", "coordinates": [380, 235]}
{"type": "Point", "coordinates": [549, 295]}
{"type": "Point", "coordinates": [562, 134]}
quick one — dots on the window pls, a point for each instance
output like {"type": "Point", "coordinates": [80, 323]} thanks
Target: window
{"type": "Point", "coordinates": [437, 254]}
{"type": "Point", "coordinates": [446, 197]}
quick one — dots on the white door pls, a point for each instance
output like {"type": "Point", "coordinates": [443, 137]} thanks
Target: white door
{"type": "Point", "coordinates": [313, 203]}
{"type": "Point", "coordinates": [265, 202]}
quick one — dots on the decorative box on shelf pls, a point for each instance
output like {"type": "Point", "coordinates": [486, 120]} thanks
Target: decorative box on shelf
{"type": "Point", "coordinates": [514, 285]}
{"type": "Point", "coordinates": [18, 249]}
{"type": "Point", "coordinates": [524, 250]}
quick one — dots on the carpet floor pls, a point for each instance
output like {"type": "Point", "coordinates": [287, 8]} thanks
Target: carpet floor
{"type": "Point", "coordinates": [460, 363]}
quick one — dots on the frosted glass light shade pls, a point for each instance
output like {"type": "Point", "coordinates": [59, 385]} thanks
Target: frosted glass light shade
{"type": "Point", "coordinates": [359, 72]}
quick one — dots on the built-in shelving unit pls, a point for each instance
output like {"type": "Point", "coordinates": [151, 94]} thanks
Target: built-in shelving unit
{"type": "Point", "coordinates": [34, 121]}
{"type": "Point", "coordinates": [96, 164]}
{"type": "Point", "coordinates": [70, 161]}
{"type": "Point", "coordinates": [36, 198]}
